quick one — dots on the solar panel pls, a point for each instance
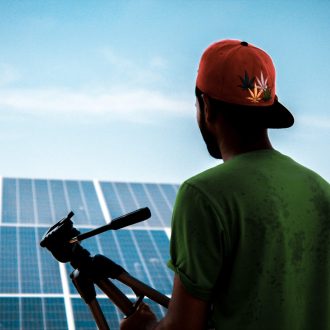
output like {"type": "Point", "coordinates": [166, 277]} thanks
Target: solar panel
{"type": "Point", "coordinates": [26, 201]}
{"type": "Point", "coordinates": [35, 290]}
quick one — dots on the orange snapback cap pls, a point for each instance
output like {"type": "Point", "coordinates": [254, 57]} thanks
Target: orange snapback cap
{"type": "Point", "coordinates": [242, 74]}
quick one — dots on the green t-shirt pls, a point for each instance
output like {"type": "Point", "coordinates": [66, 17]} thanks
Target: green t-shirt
{"type": "Point", "coordinates": [252, 236]}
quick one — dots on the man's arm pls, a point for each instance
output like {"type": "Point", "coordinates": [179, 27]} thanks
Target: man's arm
{"type": "Point", "coordinates": [185, 312]}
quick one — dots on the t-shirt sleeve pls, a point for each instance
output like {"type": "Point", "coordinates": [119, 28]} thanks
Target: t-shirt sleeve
{"type": "Point", "coordinates": [196, 242]}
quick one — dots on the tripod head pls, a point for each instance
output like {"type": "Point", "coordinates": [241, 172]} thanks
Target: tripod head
{"type": "Point", "coordinates": [57, 238]}
{"type": "Point", "coordinates": [62, 239]}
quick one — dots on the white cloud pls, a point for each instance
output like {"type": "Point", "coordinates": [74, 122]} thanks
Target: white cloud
{"type": "Point", "coordinates": [124, 104]}
{"type": "Point", "coordinates": [125, 101]}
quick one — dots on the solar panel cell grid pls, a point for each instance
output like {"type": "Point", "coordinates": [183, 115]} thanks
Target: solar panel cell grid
{"type": "Point", "coordinates": [162, 243]}
{"type": "Point", "coordinates": [9, 210]}
{"type": "Point", "coordinates": [112, 249]}
{"type": "Point", "coordinates": [49, 269]}
{"type": "Point", "coordinates": [54, 311]}
{"type": "Point", "coordinates": [161, 277]}
{"type": "Point", "coordinates": [32, 314]}
{"type": "Point", "coordinates": [84, 319]}
{"type": "Point", "coordinates": [29, 270]}
{"type": "Point", "coordinates": [77, 203]}
{"type": "Point", "coordinates": [159, 199]}
{"type": "Point", "coordinates": [8, 260]}
{"type": "Point", "coordinates": [127, 202]}
{"type": "Point", "coordinates": [9, 313]}
{"type": "Point", "coordinates": [42, 199]}
{"type": "Point", "coordinates": [170, 191]}
{"type": "Point", "coordinates": [122, 198]}
{"type": "Point", "coordinates": [59, 201]}
{"type": "Point", "coordinates": [142, 198]}
{"type": "Point", "coordinates": [93, 205]}
{"type": "Point", "coordinates": [112, 200]}
{"type": "Point", "coordinates": [25, 202]}
{"type": "Point", "coordinates": [133, 262]}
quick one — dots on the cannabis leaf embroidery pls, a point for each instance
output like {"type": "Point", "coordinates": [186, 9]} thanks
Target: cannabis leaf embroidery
{"type": "Point", "coordinates": [262, 82]}
{"type": "Point", "coordinates": [255, 95]}
{"type": "Point", "coordinates": [258, 89]}
{"type": "Point", "coordinates": [246, 82]}
{"type": "Point", "coordinates": [267, 94]}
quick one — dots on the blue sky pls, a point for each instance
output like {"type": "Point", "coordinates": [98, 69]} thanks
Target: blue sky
{"type": "Point", "coordinates": [105, 89]}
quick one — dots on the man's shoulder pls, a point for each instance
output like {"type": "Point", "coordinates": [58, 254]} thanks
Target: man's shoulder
{"type": "Point", "coordinates": [251, 169]}
{"type": "Point", "coordinates": [207, 176]}
{"type": "Point", "coordinates": [218, 178]}
{"type": "Point", "coordinates": [230, 170]}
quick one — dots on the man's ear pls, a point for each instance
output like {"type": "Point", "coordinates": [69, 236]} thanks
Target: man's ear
{"type": "Point", "coordinates": [208, 112]}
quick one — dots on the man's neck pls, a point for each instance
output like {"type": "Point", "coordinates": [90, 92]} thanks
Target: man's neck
{"type": "Point", "coordinates": [233, 145]}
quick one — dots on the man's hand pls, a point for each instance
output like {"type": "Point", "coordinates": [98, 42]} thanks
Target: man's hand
{"type": "Point", "coordinates": [185, 312]}
{"type": "Point", "coordinates": [142, 319]}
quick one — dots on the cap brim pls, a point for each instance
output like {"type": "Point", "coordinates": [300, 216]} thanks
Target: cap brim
{"type": "Point", "coordinates": [272, 116]}
{"type": "Point", "coordinates": [276, 116]}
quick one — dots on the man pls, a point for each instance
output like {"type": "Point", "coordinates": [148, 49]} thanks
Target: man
{"type": "Point", "coordinates": [250, 244]}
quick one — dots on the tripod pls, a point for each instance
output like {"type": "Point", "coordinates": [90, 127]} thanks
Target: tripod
{"type": "Point", "coordinates": [62, 240]}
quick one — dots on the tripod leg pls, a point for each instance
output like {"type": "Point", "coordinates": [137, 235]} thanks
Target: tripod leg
{"type": "Point", "coordinates": [103, 268]}
{"type": "Point", "coordinates": [116, 296]}
{"type": "Point", "coordinates": [142, 288]}
{"type": "Point", "coordinates": [86, 289]}
{"type": "Point", "coordinates": [98, 315]}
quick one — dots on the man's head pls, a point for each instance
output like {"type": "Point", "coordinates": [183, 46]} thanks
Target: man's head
{"type": "Point", "coordinates": [238, 81]}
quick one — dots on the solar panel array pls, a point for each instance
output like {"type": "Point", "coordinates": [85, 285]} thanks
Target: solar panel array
{"type": "Point", "coordinates": [35, 290]}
